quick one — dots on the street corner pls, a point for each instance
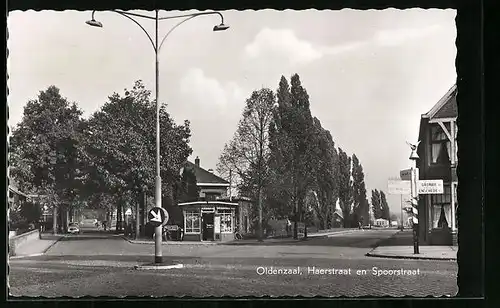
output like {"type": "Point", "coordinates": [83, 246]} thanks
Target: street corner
{"type": "Point", "coordinates": [406, 252]}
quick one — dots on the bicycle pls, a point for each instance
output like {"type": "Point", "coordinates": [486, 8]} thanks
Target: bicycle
{"type": "Point", "coordinates": [237, 235]}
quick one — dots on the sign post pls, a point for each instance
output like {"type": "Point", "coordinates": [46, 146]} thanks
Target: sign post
{"type": "Point", "coordinates": [158, 217]}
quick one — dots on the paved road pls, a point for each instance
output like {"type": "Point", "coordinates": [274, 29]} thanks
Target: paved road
{"type": "Point", "coordinates": [103, 265]}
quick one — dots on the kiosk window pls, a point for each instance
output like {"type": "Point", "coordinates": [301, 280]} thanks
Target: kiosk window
{"type": "Point", "coordinates": [226, 221]}
{"type": "Point", "coordinates": [192, 222]}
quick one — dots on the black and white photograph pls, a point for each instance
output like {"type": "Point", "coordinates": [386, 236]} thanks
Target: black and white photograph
{"type": "Point", "coordinates": [232, 153]}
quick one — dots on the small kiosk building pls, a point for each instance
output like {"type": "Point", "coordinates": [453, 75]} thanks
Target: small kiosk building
{"type": "Point", "coordinates": [215, 216]}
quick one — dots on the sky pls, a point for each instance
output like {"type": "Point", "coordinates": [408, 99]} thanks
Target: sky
{"type": "Point", "coordinates": [369, 74]}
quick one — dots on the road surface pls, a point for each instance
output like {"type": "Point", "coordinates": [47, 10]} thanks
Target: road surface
{"type": "Point", "coordinates": [103, 265]}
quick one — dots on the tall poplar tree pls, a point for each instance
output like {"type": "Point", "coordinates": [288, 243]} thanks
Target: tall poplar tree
{"type": "Point", "coordinates": [293, 125]}
{"type": "Point", "coordinates": [345, 186]}
{"type": "Point", "coordinates": [361, 207]}
{"type": "Point", "coordinates": [384, 206]}
{"type": "Point", "coordinates": [376, 204]}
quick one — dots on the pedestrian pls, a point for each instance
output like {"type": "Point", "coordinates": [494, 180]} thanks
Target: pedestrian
{"type": "Point", "coordinates": [104, 225]}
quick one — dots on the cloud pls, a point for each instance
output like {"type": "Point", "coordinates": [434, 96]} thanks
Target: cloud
{"type": "Point", "coordinates": [403, 35]}
{"type": "Point", "coordinates": [205, 92]}
{"type": "Point", "coordinates": [282, 43]}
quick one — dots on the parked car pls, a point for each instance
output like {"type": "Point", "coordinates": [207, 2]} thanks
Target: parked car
{"type": "Point", "coordinates": [89, 224]}
{"type": "Point", "coordinates": [73, 228]}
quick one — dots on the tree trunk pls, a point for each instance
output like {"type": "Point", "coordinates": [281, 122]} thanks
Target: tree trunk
{"type": "Point", "coordinates": [296, 219]}
{"type": "Point", "coordinates": [66, 225]}
{"type": "Point", "coordinates": [54, 219]}
{"type": "Point", "coordinates": [303, 216]}
{"type": "Point", "coordinates": [261, 231]}
{"type": "Point", "coordinates": [137, 215]}
{"type": "Point", "coordinates": [119, 216]}
{"type": "Point", "coordinates": [143, 211]}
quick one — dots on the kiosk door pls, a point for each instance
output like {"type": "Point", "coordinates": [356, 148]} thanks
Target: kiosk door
{"type": "Point", "coordinates": [208, 226]}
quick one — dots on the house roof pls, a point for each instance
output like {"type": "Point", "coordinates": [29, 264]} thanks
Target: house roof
{"type": "Point", "coordinates": [446, 107]}
{"type": "Point", "coordinates": [205, 177]}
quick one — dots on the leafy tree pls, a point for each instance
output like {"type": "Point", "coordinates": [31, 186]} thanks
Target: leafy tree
{"type": "Point", "coordinates": [376, 204]}
{"type": "Point", "coordinates": [361, 207]}
{"type": "Point", "coordinates": [44, 149]}
{"type": "Point", "coordinates": [394, 217]}
{"type": "Point", "coordinates": [188, 189]}
{"type": "Point", "coordinates": [345, 186]}
{"type": "Point", "coordinates": [31, 211]}
{"type": "Point", "coordinates": [248, 152]}
{"type": "Point", "coordinates": [120, 147]}
{"type": "Point", "coordinates": [384, 206]}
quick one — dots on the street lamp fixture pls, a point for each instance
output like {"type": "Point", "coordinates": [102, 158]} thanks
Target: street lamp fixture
{"type": "Point", "coordinates": [157, 44]}
{"type": "Point", "coordinates": [221, 27]}
{"type": "Point", "coordinates": [94, 23]}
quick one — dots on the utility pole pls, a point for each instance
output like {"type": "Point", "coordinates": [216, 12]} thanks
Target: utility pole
{"type": "Point", "coordinates": [402, 220]}
{"type": "Point", "coordinates": [414, 196]}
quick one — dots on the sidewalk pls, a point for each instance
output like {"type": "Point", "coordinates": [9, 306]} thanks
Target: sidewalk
{"type": "Point", "coordinates": [38, 246]}
{"type": "Point", "coordinates": [400, 246]}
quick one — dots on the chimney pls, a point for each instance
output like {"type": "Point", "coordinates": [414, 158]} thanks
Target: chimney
{"type": "Point", "coordinates": [197, 161]}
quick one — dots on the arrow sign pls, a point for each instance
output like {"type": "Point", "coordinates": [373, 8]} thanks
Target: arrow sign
{"type": "Point", "coordinates": [157, 216]}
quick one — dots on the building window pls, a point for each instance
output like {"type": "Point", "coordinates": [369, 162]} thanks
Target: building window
{"type": "Point", "coordinates": [226, 218]}
{"type": "Point", "coordinates": [211, 196]}
{"type": "Point", "coordinates": [440, 145]}
{"type": "Point", "coordinates": [192, 224]}
{"type": "Point", "coordinates": [442, 208]}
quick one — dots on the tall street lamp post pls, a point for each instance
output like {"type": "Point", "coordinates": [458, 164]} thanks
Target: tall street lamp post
{"type": "Point", "coordinates": [157, 48]}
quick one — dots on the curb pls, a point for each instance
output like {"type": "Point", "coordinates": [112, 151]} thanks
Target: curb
{"type": "Point", "coordinates": [14, 257]}
{"type": "Point", "coordinates": [51, 245]}
{"type": "Point", "coordinates": [408, 257]}
{"type": "Point", "coordinates": [158, 267]}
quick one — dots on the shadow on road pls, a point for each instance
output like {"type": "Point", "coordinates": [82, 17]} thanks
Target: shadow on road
{"type": "Point", "coordinates": [106, 261]}
{"type": "Point", "coordinates": [92, 235]}
{"type": "Point", "coordinates": [402, 238]}
{"type": "Point", "coordinates": [360, 241]}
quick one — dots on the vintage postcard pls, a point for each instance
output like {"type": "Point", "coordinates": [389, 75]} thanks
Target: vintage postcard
{"type": "Point", "coordinates": [232, 153]}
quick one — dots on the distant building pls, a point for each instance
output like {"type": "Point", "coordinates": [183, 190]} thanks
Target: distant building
{"type": "Point", "coordinates": [381, 222]}
{"type": "Point", "coordinates": [438, 159]}
{"type": "Point", "coordinates": [215, 216]}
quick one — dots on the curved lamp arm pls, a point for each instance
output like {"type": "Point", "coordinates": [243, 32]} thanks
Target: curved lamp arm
{"type": "Point", "coordinates": [189, 17]}
{"type": "Point", "coordinates": [93, 22]}
{"type": "Point", "coordinates": [156, 48]}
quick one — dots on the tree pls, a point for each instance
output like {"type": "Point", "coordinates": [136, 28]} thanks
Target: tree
{"type": "Point", "coordinates": [326, 175]}
{"type": "Point", "coordinates": [361, 207]}
{"type": "Point", "coordinates": [188, 189]}
{"type": "Point", "coordinates": [120, 147]}
{"type": "Point", "coordinates": [345, 186]}
{"type": "Point", "coordinates": [44, 150]}
{"type": "Point", "coordinates": [384, 206]}
{"type": "Point", "coordinates": [394, 217]}
{"type": "Point", "coordinates": [376, 204]}
{"type": "Point", "coordinates": [291, 143]}
{"type": "Point", "coordinates": [248, 152]}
